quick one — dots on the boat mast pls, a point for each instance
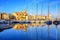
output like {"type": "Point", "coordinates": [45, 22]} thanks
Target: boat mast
{"type": "Point", "coordinates": [41, 16]}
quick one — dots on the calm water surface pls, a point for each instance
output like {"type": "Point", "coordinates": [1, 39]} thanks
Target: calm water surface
{"type": "Point", "coordinates": [32, 33]}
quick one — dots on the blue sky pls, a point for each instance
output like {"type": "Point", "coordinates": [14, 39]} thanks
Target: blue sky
{"type": "Point", "coordinates": [11, 6]}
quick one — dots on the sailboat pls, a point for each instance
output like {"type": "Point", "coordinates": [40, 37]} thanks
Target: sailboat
{"type": "Point", "coordinates": [56, 21]}
{"type": "Point", "coordinates": [48, 22]}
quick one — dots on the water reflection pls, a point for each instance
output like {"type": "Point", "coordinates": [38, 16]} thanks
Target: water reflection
{"type": "Point", "coordinates": [19, 26]}
{"type": "Point", "coordinates": [24, 26]}
{"type": "Point", "coordinates": [4, 27]}
{"type": "Point", "coordinates": [28, 31]}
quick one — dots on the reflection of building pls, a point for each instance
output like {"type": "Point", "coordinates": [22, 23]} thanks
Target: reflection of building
{"type": "Point", "coordinates": [20, 26]}
{"type": "Point", "coordinates": [24, 26]}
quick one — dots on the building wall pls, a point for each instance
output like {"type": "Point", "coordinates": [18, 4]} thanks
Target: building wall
{"type": "Point", "coordinates": [5, 16]}
{"type": "Point", "coordinates": [23, 16]}
{"type": "Point", "coordinates": [0, 16]}
{"type": "Point", "coordinates": [20, 15]}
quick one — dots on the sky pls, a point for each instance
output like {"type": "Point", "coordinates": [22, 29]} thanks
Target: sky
{"type": "Point", "coordinates": [11, 6]}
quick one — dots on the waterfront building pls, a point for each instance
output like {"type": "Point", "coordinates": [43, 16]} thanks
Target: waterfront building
{"type": "Point", "coordinates": [21, 16]}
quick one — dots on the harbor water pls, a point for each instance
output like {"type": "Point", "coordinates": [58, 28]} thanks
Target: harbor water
{"type": "Point", "coordinates": [32, 33]}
